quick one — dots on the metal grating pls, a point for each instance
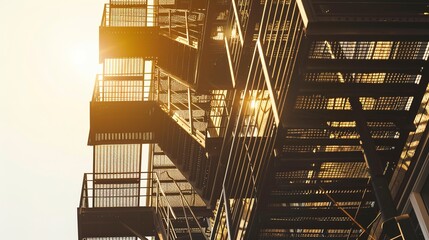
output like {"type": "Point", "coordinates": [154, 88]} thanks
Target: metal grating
{"type": "Point", "coordinates": [369, 50]}
{"type": "Point", "coordinates": [373, 78]}
{"type": "Point", "coordinates": [114, 159]}
{"type": "Point", "coordinates": [117, 158]}
{"type": "Point", "coordinates": [319, 102]}
{"type": "Point", "coordinates": [129, 13]}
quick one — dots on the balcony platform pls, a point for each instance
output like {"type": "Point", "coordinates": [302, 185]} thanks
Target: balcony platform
{"type": "Point", "coordinates": [116, 222]}
{"type": "Point", "coordinates": [122, 122]}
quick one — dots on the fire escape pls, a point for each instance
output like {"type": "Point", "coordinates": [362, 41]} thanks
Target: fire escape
{"type": "Point", "coordinates": [334, 91]}
{"type": "Point", "coordinates": [263, 119]}
{"type": "Point", "coordinates": [145, 99]}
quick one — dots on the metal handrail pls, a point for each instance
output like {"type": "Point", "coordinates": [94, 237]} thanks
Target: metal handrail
{"type": "Point", "coordinates": [96, 91]}
{"type": "Point", "coordinates": [183, 199]}
{"type": "Point", "coordinates": [182, 25]}
{"type": "Point", "coordinates": [105, 17]}
{"type": "Point", "coordinates": [121, 88]}
{"type": "Point", "coordinates": [185, 99]}
{"type": "Point", "coordinates": [164, 195]}
{"type": "Point", "coordinates": [219, 112]}
{"type": "Point", "coordinates": [84, 192]}
{"type": "Point", "coordinates": [185, 103]}
{"type": "Point", "coordinates": [162, 204]}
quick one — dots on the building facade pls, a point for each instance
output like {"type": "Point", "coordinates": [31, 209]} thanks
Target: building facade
{"type": "Point", "coordinates": [283, 119]}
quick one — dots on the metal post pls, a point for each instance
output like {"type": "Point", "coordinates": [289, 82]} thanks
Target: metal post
{"type": "Point", "coordinates": [158, 76]}
{"type": "Point", "coordinates": [191, 128]}
{"type": "Point", "coordinates": [157, 197]}
{"type": "Point", "coordinates": [227, 213]}
{"type": "Point", "coordinates": [169, 93]}
{"type": "Point", "coordinates": [169, 23]}
{"type": "Point", "coordinates": [187, 27]}
{"type": "Point", "coordinates": [168, 224]}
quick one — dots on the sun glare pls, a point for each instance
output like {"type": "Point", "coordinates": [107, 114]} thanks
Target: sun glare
{"type": "Point", "coordinates": [84, 58]}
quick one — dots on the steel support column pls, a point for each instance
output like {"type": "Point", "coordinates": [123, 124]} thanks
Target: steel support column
{"type": "Point", "coordinates": [393, 224]}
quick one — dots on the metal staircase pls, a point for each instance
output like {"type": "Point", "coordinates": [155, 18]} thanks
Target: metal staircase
{"type": "Point", "coordinates": [186, 154]}
{"type": "Point", "coordinates": [335, 106]}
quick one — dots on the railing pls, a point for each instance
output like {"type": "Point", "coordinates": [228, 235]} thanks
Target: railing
{"type": "Point", "coordinates": [131, 189]}
{"type": "Point", "coordinates": [96, 95]}
{"type": "Point", "coordinates": [220, 104]}
{"type": "Point", "coordinates": [186, 108]}
{"type": "Point", "coordinates": [167, 214]}
{"type": "Point", "coordinates": [182, 25]}
{"type": "Point", "coordinates": [136, 189]}
{"type": "Point", "coordinates": [198, 114]}
{"type": "Point", "coordinates": [123, 88]}
{"type": "Point", "coordinates": [105, 19]}
{"type": "Point", "coordinates": [128, 2]}
{"type": "Point", "coordinates": [125, 189]}
{"type": "Point", "coordinates": [258, 119]}
{"type": "Point", "coordinates": [186, 207]}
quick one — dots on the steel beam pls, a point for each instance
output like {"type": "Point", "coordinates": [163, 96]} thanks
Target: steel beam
{"type": "Point", "coordinates": [309, 157]}
{"type": "Point", "coordinates": [319, 197]}
{"type": "Point", "coordinates": [360, 89]}
{"type": "Point", "coordinates": [380, 185]}
{"type": "Point", "coordinates": [337, 141]}
{"type": "Point", "coordinates": [333, 212]}
{"type": "Point", "coordinates": [365, 66]}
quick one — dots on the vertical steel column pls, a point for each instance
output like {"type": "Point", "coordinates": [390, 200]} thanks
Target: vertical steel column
{"type": "Point", "coordinates": [393, 225]}
{"type": "Point", "coordinates": [191, 128]}
{"type": "Point", "coordinates": [169, 93]}
{"type": "Point", "coordinates": [187, 27]}
{"type": "Point", "coordinates": [169, 23]}
{"type": "Point", "coordinates": [157, 86]}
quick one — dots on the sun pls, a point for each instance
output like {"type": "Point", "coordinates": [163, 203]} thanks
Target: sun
{"type": "Point", "coordinates": [84, 58]}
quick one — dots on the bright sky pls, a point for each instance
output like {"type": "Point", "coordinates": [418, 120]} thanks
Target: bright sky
{"type": "Point", "coordinates": [48, 61]}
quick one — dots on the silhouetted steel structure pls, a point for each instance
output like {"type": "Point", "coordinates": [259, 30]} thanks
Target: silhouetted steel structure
{"type": "Point", "coordinates": [285, 119]}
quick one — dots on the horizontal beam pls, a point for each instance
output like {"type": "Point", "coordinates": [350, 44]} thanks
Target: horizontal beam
{"type": "Point", "coordinates": [117, 181]}
{"type": "Point", "coordinates": [360, 89]}
{"type": "Point", "coordinates": [123, 78]}
{"type": "Point", "coordinates": [164, 167]}
{"type": "Point", "coordinates": [298, 122]}
{"type": "Point", "coordinates": [301, 198]}
{"type": "Point", "coordinates": [334, 141]}
{"type": "Point", "coordinates": [326, 186]}
{"type": "Point", "coordinates": [126, 5]}
{"type": "Point", "coordinates": [314, 212]}
{"type": "Point", "coordinates": [354, 156]}
{"type": "Point", "coordinates": [365, 66]}
{"type": "Point", "coordinates": [308, 224]}
{"type": "Point", "coordinates": [172, 181]}
{"type": "Point", "coordinates": [403, 117]}
{"type": "Point", "coordinates": [302, 236]}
